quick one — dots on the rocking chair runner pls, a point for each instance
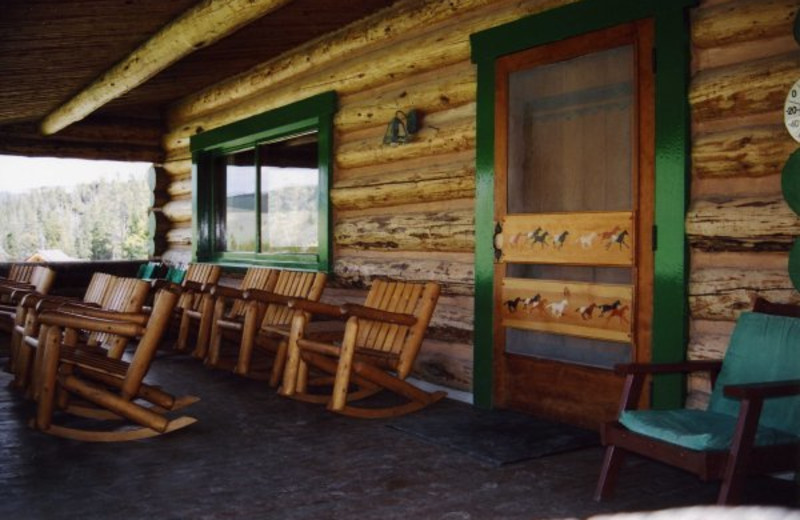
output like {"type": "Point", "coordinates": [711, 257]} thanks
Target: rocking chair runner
{"type": "Point", "coordinates": [265, 320]}
{"type": "Point", "coordinates": [752, 424]}
{"type": "Point", "coordinates": [380, 344]}
{"type": "Point", "coordinates": [114, 387]}
{"type": "Point", "coordinates": [218, 302]}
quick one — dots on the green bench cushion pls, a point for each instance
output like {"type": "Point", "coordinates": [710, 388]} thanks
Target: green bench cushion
{"type": "Point", "coordinates": [763, 348]}
{"type": "Point", "coordinates": [695, 429]}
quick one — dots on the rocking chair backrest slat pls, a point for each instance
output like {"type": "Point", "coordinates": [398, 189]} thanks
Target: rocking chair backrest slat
{"type": "Point", "coordinates": [97, 288]}
{"type": "Point", "coordinates": [298, 284]}
{"type": "Point", "coordinates": [417, 299]}
{"type": "Point", "coordinates": [397, 297]}
{"type": "Point", "coordinates": [202, 274]}
{"type": "Point", "coordinates": [42, 279]}
{"type": "Point", "coordinates": [124, 295]}
{"type": "Point", "coordinates": [262, 278]}
{"type": "Point", "coordinates": [763, 348]}
{"type": "Point", "coordinates": [20, 272]}
{"type": "Point", "coordinates": [148, 344]}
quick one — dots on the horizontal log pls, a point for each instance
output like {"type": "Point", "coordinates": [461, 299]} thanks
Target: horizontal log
{"type": "Point", "coordinates": [715, 187]}
{"type": "Point", "coordinates": [428, 231]}
{"type": "Point", "coordinates": [742, 21]}
{"type": "Point", "coordinates": [139, 132]}
{"type": "Point", "coordinates": [739, 260]}
{"type": "Point", "coordinates": [177, 255]}
{"type": "Point", "coordinates": [728, 55]}
{"type": "Point", "coordinates": [53, 147]}
{"type": "Point", "coordinates": [742, 224]}
{"type": "Point", "coordinates": [445, 363]}
{"type": "Point", "coordinates": [408, 20]}
{"type": "Point", "coordinates": [182, 186]}
{"type": "Point", "coordinates": [743, 89]}
{"type": "Point", "coordinates": [722, 294]}
{"type": "Point", "coordinates": [198, 27]}
{"type": "Point", "coordinates": [178, 210]}
{"type": "Point", "coordinates": [742, 152]}
{"type": "Point", "coordinates": [708, 346]}
{"type": "Point", "coordinates": [178, 168]}
{"type": "Point", "coordinates": [401, 193]}
{"type": "Point", "coordinates": [433, 47]}
{"type": "Point", "coordinates": [179, 236]}
{"type": "Point", "coordinates": [429, 141]}
{"type": "Point", "coordinates": [711, 327]}
{"type": "Point", "coordinates": [696, 399]}
{"type": "Point", "coordinates": [455, 277]}
{"type": "Point", "coordinates": [431, 53]}
{"type": "Point", "coordinates": [458, 164]}
{"type": "Point", "coordinates": [445, 90]}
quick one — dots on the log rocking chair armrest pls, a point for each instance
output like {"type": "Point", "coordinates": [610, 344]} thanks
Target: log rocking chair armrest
{"type": "Point", "coordinates": [32, 300]}
{"type": "Point", "coordinates": [189, 285]}
{"type": "Point", "coordinates": [161, 283]}
{"type": "Point", "coordinates": [222, 291]}
{"type": "Point", "coordinates": [369, 313]}
{"type": "Point", "coordinates": [267, 297]}
{"type": "Point", "coordinates": [11, 286]}
{"type": "Point", "coordinates": [769, 390]}
{"type": "Point", "coordinates": [318, 308]}
{"type": "Point", "coordinates": [66, 320]}
{"type": "Point", "coordinates": [136, 318]}
{"type": "Point", "coordinates": [66, 305]}
{"type": "Point", "coordinates": [18, 295]}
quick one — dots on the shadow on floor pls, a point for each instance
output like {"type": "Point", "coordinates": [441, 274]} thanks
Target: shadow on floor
{"type": "Point", "coordinates": [254, 454]}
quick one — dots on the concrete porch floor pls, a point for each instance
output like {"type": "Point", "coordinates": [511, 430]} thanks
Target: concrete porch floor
{"type": "Point", "coordinates": [254, 454]}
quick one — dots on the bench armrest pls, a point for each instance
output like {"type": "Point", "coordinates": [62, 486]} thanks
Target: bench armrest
{"type": "Point", "coordinates": [784, 388]}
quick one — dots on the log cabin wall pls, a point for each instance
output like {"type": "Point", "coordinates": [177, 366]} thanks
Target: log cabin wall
{"type": "Point", "coordinates": [744, 59]}
{"type": "Point", "coordinates": [408, 211]}
{"type": "Point", "coordinates": [404, 211]}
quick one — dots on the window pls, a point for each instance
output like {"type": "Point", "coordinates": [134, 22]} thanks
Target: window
{"type": "Point", "coordinates": [261, 188]}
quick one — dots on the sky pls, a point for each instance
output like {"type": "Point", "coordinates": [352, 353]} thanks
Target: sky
{"type": "Point", "coordinates": [19, 174]}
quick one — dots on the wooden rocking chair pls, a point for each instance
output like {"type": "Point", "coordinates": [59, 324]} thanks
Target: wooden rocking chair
{"type": "Point", "coordinates": [115, 389]}
{"type": "Point", "coordinates": [12, 293]}
{"type": "Point", "coordinates": [18, 274]}
{"type": "Point", "coordinates": [265, 321]}
{"type": "Point", "coordinates": [380, 344]}
{"type": "Point", "coordinates": [218, 301]}
{"type": "Point", "coordinates": [198, 277]}
{"type": "Point", "coordinates": [752, 424]}
{"type": "Point", "coordinates": [27, 323]}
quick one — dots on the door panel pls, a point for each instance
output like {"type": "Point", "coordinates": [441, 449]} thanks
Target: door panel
{"type": "Point", "coordinates": [573, 203]}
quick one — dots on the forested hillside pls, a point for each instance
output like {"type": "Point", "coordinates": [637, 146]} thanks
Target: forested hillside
{"type": "Point", "coordinates": [104, 220]}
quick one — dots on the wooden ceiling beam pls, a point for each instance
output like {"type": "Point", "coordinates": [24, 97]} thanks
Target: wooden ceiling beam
{"type": "Point", "coordinates": [200, 26]}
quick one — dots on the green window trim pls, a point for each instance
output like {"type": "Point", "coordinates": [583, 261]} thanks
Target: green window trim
{"type": "Point", "coordinates": [672, 170]}
{"type": "Point", "coordinates": [311, 114]}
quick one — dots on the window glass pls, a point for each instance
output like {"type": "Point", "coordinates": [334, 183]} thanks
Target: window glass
{"type": "Point", "coordinates": [240, 201]}
{"type": "Point", "coordinates": [289, 195]}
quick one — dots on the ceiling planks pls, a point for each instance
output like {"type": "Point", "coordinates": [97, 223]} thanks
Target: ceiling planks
{"type": "Point", "coordinates": [51, 49]}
